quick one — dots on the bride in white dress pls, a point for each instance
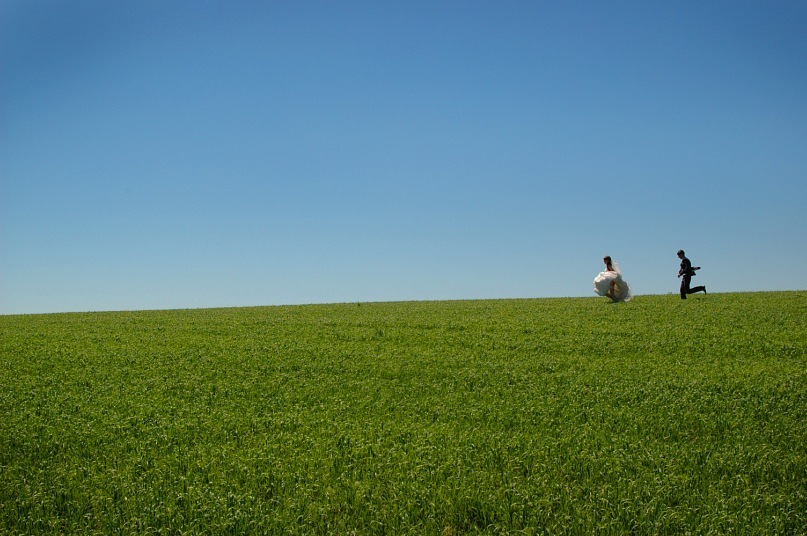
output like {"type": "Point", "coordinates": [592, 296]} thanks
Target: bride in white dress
{"type": "Point", "coordinates": [609, 282]}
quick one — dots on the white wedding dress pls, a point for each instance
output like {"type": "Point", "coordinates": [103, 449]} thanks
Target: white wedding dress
{"type": "Point", "coordinates": [621, 288]}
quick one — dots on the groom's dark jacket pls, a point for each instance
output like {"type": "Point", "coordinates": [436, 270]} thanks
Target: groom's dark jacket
{"type": "Point", "coordinates": [686, 268]}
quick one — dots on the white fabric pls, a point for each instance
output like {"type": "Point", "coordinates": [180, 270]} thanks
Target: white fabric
{"type": "Point", "coordinates": [621, 288]}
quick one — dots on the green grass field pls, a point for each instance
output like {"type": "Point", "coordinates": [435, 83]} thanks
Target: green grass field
{"type": "Point", "coordinates": [541, 416]}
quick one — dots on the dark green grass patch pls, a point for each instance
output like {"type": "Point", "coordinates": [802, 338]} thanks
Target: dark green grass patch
{"type": "Point", "coordinates": [554, 416]}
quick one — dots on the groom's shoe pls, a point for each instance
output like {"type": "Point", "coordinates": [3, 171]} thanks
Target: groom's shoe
{"type": "Point", "coordinates": [704, 289]}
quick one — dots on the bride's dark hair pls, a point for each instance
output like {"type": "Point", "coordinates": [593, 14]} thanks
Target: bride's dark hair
{"type": "Point", "coordinates": [607, 260]}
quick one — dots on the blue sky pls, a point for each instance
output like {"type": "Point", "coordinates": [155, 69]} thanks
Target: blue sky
{"type": "Point", "coordinates": [178, 154]}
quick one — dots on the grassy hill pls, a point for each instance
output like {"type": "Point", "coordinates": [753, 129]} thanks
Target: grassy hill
{"type": "Point", "coordinates": [544, 415]}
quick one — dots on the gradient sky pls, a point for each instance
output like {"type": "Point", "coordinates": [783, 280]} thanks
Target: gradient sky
{"type": "Point", "coordinates": [183, 154]}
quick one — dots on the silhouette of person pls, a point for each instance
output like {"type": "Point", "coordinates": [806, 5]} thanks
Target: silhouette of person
{"type": "Point", "coordinates": [685, 273]}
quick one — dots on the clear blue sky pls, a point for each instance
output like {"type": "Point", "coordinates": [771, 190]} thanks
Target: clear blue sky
{"type": "Point", "coordinates": [184, 154]}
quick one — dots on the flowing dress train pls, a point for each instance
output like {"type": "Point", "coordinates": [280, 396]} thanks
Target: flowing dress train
{"type": "Point", "coordinates": [602, 283]}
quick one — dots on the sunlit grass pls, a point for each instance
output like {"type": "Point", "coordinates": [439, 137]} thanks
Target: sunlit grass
{"type": "Point", "coordinates": [552, 415]}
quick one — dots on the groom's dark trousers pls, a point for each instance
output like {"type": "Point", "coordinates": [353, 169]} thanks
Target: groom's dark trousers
{"type": "Point", "coordinates": [685, 279]}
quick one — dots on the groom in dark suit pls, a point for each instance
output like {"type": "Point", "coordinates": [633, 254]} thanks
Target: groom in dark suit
{"type": "Point", "coordinates": [686, 272]}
